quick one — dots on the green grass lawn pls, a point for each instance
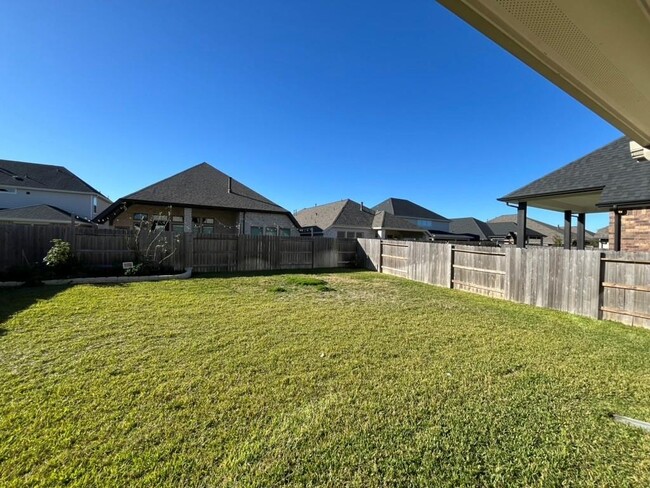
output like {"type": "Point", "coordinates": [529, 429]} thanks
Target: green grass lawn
{"type": "Point", "coordinates": [340, 379]}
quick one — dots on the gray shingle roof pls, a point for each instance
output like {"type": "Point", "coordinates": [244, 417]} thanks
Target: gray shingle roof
{"type": "Point", "coordinates": [623, 180]}
{"type": "Point", "coordinates": [549, 231]}
{"type": "Point", "coordinates": [348, 213]}
{"type": "Point", "coordinates": [45, 176]}
{"type": "Point", "coordinates": [470, 225]}
{"type": "Point", "coordinates": [407, 208]}
{"type": "Point", "coordinates": [602, 233]}
{"type": "Point", "coordinates": [344, 213]}
{"type": "Point", "coordinates": [40, 213]}
{"type": "Point", "coordinates": [199, 186]}
{"type": "Point", "coordinates": [385, 220]}
{"type": "Point", "coordinates": [504, 228]}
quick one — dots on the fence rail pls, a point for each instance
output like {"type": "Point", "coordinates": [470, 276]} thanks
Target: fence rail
{"type": "Point", "coordinates": [605, 285]}
{"type": "Point", "coordinates": [27, 244]}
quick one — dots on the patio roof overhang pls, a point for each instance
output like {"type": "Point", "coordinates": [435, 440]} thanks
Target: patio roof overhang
{"type": "Point", "coordinates": [585, 201]}
{"type": "Point", "coordinates": [596, 51]}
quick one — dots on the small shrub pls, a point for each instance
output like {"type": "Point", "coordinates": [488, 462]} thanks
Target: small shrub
{"type": "Point", "coordinates": [59, 255]}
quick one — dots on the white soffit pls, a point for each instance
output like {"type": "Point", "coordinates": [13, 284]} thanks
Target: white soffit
{"type": "Point", "coordinates": [596, 50]}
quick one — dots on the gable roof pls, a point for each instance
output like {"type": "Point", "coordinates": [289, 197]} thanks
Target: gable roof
{"type": "Point", "coordinates": [39, 213]}
{"type": "Point", "coordinates": [385, 220]}
{"type": "Point", "coordinates": [344, 213]}
{"type": "Point", "coordinates": [623, 181]}
{"type": "Point", "coordinates": [199, 186]}
{"type": "Point", "coordinates": [42, 176]}
{"type": "Point", "coordinates": [348, 213]}
{"type": "Point", "coordinates": [407, 208]}
{"type": "Point", "coordinates": [548, 230]}
{"type": "Point", "coordinates": [505, 228]}
{"type": "Point", "coordinates": [470, 225]}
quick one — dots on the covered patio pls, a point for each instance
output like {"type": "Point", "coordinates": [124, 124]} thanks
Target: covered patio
{"type": "Point", "coordinates": [605, 180]}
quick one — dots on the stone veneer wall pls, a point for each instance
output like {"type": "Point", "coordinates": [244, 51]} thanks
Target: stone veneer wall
{"type": "Point", "coordinates": [635, 230]}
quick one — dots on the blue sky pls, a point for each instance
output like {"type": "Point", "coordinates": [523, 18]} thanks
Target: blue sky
{"type": "Point", "coordinates": [304, 101]}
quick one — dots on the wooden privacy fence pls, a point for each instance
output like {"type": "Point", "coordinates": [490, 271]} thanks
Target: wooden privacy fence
{"type": "Point", "coordinates": [266, 253]}
{"type": "Point", "coordinates": [605, 285]}
{"type": "Point", "coordinates": [27, 244]}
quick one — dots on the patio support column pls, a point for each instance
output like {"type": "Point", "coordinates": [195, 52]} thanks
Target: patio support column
{"type": "Point", "coordinates": [567, 229]}
{"type": "Point", "coordinates": [581, 231]}
{"type": "Point", "coordinates": [617, 230]}
{"type": "Point", "coordinates": [521, 224]}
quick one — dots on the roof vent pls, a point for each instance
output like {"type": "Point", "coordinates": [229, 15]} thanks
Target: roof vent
{"type": "Point", "coordinates": [229, 184]}
{"type": "Point", "coordinates": [361, 206]}
{"type": "Point", "coordinates": [18, 178]}
{"type": "Point", "coordinates": [638, 152]}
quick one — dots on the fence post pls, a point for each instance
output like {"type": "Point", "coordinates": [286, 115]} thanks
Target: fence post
{"type": "Point", "coordinates": [381, 252]}
{"type": "Point", "coordinates": [601, 289]}
{"type": "Point", "coordinates": [313, 252]}
{"type": "Point", "coordinates": [452, 255]}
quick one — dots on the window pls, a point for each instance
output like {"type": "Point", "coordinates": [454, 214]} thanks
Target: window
{"type": "Point", "coordinates": [271, 231]}
{"type": "Point", "coordinates": [139, 219]}
{"type": "Point", "coordinates": [285, 232]}
{"type": "Point", "coordinates": [340, 235]}
{"type": "Point", "coordinates": [178, 228]}
{"type": "Point", "coordinates": [351, 235]}
{"type": "Point", "coordinates": [359, 234]}
{"type": "Point", "coordinates": [256, 231]}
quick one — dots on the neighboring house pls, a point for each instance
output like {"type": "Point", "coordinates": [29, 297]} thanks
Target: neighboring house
{"type": "Point", "coordinates": [414, 213]}
{"type": "Point", "coordinates": [605, 180]}
{"type": "Point", "coordinates": [30, 184]}
{"type": "Point", "coordinates": [553, 234]}
{"type": "Point", "coordinates": [349, 219]}
{"type": "Point", "coordinates": [602, 236]}
{"type": "Point", "coordinates": [41, 214]}
{"type": "Point", "coordinates": [477, 229]}
{"type": "Point", "coordinates": [498, 232]}
{"type": "Point", "coordinates": [202, 200]}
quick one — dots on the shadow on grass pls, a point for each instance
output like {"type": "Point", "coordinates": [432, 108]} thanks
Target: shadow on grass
{"type": "Point", "coordinates": [238, 274]}
{"type": "Point", "coordinates": [14, 300]}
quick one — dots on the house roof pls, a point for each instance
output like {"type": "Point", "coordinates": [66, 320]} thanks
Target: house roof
{"type": "Point", "coordinates": [348, 213]}
{"type": "Point", "coordinates": [610, 170]}
{"type": "Point", "coordinates": [505, 228]}
{"type": "Point", "coordinates": [549, 231]}
{"type": "Point", "coordinates": [39, 213]}
{"type": "Point", "coordinates": [602, 233]}
{"type": "Point", "coordinates": [45, 176]}
{"type": "Point", "coordinates": [385, 220]}
{"type": "Point", "coordinates": [470, 225]}
{"type": "Point", "coordinates": [199, 186]}
{"type": "Point", "coordinates": [344, 213]}
{"type": "Point", "coordinates": [407, 208]}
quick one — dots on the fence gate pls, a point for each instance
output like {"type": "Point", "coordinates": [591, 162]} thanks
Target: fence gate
{"type": "Point", "coordinates": [394, 258]}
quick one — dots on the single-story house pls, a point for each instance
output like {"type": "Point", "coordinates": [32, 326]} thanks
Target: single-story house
{"type": "Point", "coordinates": [414, 213]}
{"type": "Point", "coordinates": [28, 185]}
{"type": "Point", "coordinates": [553, 234]}
{"type": "Point", "coordinates": [349, 219]}
{"type": "Point", "coordinates": [41, 215]}
{"type": "Point", "coordinates": [605, 180]}
{"type": "Point", "coordinates": [204, 201]}
{"type": "Point", "coordinates": [499, 232]}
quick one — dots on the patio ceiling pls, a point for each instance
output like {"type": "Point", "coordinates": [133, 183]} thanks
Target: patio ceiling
{"type": "Point", "coordinates": [596, 51]}
{"type": "Point", "coordinates": [581, 202]}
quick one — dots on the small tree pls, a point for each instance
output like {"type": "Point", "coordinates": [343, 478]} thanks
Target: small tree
{"type": "Point", "coordinates": [152, 245]}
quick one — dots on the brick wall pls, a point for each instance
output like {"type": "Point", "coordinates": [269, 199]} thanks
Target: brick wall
{"type": "Point", "coordinates": [635, 230]}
